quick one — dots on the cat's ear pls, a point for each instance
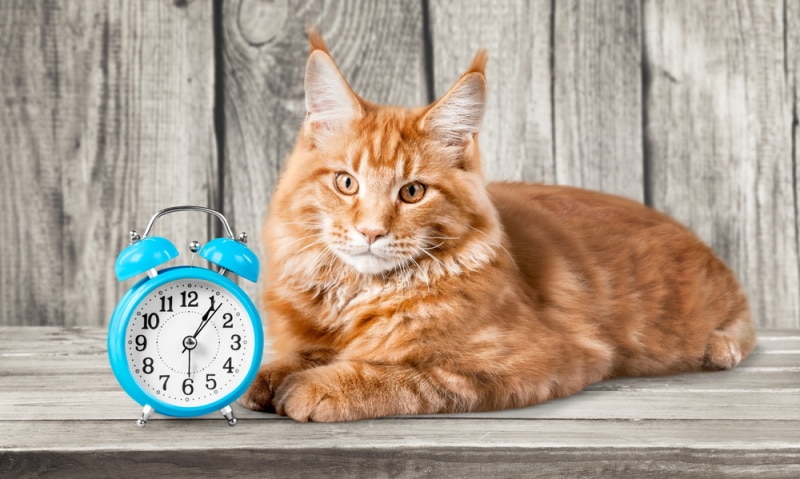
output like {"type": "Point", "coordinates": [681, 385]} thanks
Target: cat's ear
{"type": "Point", "coordinates": [456, 117]}
{"type": "Point", "coordinates": [330, 102]}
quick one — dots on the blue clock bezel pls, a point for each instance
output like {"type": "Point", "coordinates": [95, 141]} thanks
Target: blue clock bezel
{"type": "Point", "coordinates": [123, 314]}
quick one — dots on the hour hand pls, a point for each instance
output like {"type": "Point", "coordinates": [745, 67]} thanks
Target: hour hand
{"type": "Point", "coordinates": [207, 317]}
{"type": "Point", "coordinates": [203, 321]}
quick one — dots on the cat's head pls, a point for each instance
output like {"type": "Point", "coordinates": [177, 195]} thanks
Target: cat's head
{"type": "Point", "coordinates": [382, 188]}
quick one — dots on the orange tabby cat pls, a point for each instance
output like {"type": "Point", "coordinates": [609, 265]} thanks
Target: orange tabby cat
{"type": "Point", "coordinates": [398, 283]}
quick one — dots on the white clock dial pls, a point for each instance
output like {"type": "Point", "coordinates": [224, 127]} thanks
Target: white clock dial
{"type": "Point", "coordinates": [189, 342]}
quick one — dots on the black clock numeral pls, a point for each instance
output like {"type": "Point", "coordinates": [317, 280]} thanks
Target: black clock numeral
{"type": "Point", "coordinates": [237, 342]}
{"type": "Point", "coordinates": [211, 383]}
{"type": "Point", "coordinates": [141, 343]}
{"type": "Point", "coordinates": [166, 304]}
{"type": "Point", "coordinates": [191, 296]}
{"type": "Point", "coordinates": [228, 317]}
{"type": "Point", "coordinates": [188, 386]}
{"type": "Point", "coordinates": [151, 321]}
{"type": "Point", "coordinates": [165, 378]}
{"type": "Point", "coordinates": [228, 366]}
{"type": "Point", "coordinates": [147, 367]}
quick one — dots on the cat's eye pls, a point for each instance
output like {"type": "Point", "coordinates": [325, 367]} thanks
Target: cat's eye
{"type": "Point", "coordinates": [412, 192]}
{"type": "Point", "coordinates": [346, 184]}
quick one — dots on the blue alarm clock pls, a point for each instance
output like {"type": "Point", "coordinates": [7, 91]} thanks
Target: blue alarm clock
{"type": "Point", "coordinates": [185, 340]}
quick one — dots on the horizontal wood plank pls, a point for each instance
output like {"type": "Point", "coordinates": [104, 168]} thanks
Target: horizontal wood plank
{"type": "Point", "coordinates": [180, 434]}
{"type": "Point", "coordinates": [420, 448]}
{"type": "Point", "coordinates": [767, 385]}
{"type": "Point", "coordinates": [421, 462]}
{"type": "Point", "coordinates": [64, 415]}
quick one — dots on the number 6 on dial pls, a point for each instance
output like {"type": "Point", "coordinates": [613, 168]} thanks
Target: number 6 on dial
{"type": "Point", "coordinates": [185, 341]}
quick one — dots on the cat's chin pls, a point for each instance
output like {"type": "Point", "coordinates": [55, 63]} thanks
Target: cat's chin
{"type": "Point", "coordinates": [368, 263]}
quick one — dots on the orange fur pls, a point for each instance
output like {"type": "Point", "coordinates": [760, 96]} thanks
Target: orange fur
{"type": "Point", "coordinates": [471, 298]}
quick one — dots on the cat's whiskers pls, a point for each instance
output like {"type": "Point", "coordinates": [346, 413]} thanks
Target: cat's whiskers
{"type": "Point", "coordinates": [494, 242]}
{"type": "Point", "coordinates": [454, 238]}
{"type": "Point", "coordinates": [315, 241]}
{"type": "Point", "coordinates": [422, 273]}
{"type": "Point", "coordinates": [286, 245]}
{"type": "Point", "coordinates": [432, 246]}
{"type": "Point", "coordinates": [439, 262]}
{"type": "Point", "coordinates": [318, 224]}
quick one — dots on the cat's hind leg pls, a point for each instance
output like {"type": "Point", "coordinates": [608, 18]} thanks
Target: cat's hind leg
{"type": "Point", "coordinates": [727, 346]}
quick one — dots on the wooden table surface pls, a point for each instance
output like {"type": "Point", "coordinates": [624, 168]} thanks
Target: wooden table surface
{"type": "Point", "coordinates": [63, 415]}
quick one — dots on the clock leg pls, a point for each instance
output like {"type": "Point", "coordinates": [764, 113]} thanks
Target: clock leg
{"type": "Point", "coordinates": [146, 413]}
{"type": "Point", "coordinates": [228, 413]}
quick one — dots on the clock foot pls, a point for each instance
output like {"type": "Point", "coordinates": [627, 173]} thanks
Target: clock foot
{"type": "Point", "coordinates": [146, 413]}
{"type": "Point", "coordinates": [228, 413]}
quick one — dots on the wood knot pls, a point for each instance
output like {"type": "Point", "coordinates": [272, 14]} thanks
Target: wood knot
{"type": "Point", "coordinates": [260, 21]}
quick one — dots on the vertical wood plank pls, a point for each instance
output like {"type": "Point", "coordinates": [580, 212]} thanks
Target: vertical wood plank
{"type": "Point", "coordinates": [598, 96]}
{"type": "Point", "coordinates": [377, 45]}
{"type": "Point", "coordinates": [31, 271]}
{"type": "Point", "coordinates": [719, 135]}
{"type": "Point", "coordinates": [517, 135]}
{"type": "Point", "coordinates": [792, 35]}
{"type": "Point", "coordinates": [113, 113]}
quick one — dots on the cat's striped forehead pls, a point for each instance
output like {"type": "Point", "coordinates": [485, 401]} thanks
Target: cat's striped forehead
{"type": "Point", "coordinates": [388, 145]}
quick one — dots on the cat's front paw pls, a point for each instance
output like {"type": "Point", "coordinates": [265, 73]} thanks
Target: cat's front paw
{"type": "Point", "coordinates": [259, 395]}
{"type": "Point", "coordinates": [304, 397]}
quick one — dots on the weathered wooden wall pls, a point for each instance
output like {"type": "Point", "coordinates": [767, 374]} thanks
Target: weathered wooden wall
{"type": "Point", "coordinates": [113, 110]}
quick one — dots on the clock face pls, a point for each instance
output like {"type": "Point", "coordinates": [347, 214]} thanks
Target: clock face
{"type": "Point", "coordinates": [189, 342]}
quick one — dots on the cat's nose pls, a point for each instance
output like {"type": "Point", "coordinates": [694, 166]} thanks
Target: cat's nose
{"type": "Point", "coordinates": [371, 234]}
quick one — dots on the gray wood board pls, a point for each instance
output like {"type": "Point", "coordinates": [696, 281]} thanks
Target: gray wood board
{"type": "Point", "coordinates": [416, 448]}
{"type": "Point", "coordinates": [719, 139]}
{"type": "Point", "coordinates": [107, 118]}
{"type": "Point", "coordinates": [76, 361]}
{"type": "Point", "coordinates": [517, 135]}
{"type": "Point", "coordinates": [598, 96]}
{"type": "Point", "coordinates": [63, 415]}
{"type": "Point", "coordinates": [109, 113]}
{"type": "Point", "coordinates": [792, 32]}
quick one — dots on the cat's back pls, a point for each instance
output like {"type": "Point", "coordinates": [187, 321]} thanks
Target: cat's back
{"type": "Point", "coordinates": [657, 290]}
{"type": "Point", "coordinates": [581, 218]}
{"type": "Point", "coordinates": [576, 207]}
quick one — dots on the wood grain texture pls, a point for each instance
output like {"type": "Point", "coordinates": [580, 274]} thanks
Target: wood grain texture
{"type": "Point", "coordinates": [31, 267]}
{"type": "Point", "coordinates": [598, 96]}
{"type": "Point", "coordinates": [391, 462]}
{"type": "Point", "coordinates": [792, 33]}
{"type": "Point", "coordinates": [517, 135]}
{"type": "Point", "coordinates": [63, 415]}
{"type": "Point", "coordinates": [767, 385]}
{"type": "Point", "coordinates": [107, 118]}
{"type": "Point", "coordinates": [108, 115]}
{"type": "Point", "coordinates": [377, 45]}
{"type": "Point", "coordinates": [719, 138]}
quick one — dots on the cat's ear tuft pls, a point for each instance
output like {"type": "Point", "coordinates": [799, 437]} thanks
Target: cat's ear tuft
{"type": "Point", "coordinates": [330, 102]}
{"type": "Point", "coordinates": [458, 115]}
